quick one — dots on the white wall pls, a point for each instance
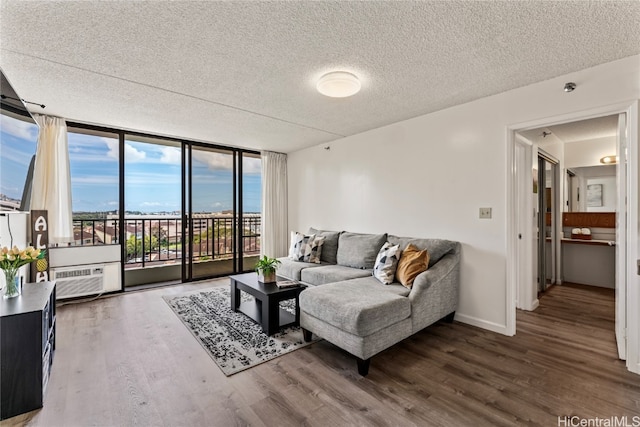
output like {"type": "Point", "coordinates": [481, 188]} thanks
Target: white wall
{"type": "Point", "coordinates": [589, 152]}
{"type": "Point", "coordinates": [427, 177]}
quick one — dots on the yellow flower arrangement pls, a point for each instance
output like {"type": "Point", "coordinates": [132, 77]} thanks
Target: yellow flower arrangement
{"type": "Point", "coordinates": [12, 259]}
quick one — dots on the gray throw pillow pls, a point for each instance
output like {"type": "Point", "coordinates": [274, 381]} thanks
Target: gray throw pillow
{"type": "Point", "coordinates": [330, 247]}
{"type": "Point", "coordinates": [437, 247]}
{"type": "Point", "coordinates": [359, 250]}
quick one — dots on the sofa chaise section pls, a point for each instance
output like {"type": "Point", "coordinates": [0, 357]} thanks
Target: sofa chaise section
{"type": "Point", "coordinates": [355, 319]}
{"type": "Point", "coordinates": [364, 316]}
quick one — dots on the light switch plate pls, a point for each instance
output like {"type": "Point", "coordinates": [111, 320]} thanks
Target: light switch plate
{"type": "Point", "coordinates": [485, 213]}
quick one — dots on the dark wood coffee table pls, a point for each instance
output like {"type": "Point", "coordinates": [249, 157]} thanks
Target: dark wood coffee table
{"type": "Point", "coordinates": [265, 308]}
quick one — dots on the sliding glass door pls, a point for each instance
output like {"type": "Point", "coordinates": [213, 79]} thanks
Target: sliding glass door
{"type": "Point", "coordinates": [152, 210]}
{"type": "Point", "coordinates": [251, 209]}
{"type": "Point", "coordinates": [211, 212]}
{"type": "Point", "coordinates": [223, 200]}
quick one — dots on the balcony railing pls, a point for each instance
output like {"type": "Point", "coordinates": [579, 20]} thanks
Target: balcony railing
{"type": "Point", "coordinates": [159, 240]}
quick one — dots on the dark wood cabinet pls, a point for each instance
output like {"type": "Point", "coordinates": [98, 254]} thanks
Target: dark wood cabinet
{"type": "Point", "coordinates": [27, 344]}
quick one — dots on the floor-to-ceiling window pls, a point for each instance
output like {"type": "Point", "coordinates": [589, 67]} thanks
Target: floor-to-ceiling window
{"type": "Point", "coordinates": [152, 210]}
{"type": "Point", "coordinates": [251, 209]}
{"type": "Point", "coordinates": [18, 140]}
{"type": "Point", "coordinates": [94, 164]}
{"type": "Point", "coordinates": [212, 211]}
{"type": "Point", "coordinates": [182, 210]}
{"type": "Point", "coordinates": [223, 203]}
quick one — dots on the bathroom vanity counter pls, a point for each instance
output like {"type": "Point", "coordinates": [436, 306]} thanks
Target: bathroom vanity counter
{"type": "Point", "coordinates": [589, 262]}
{"type": "Point", "coordinates": [589, 242]}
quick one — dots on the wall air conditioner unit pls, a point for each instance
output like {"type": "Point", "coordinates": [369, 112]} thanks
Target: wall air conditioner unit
{"type": "Point", "coordinates": [79, 280]}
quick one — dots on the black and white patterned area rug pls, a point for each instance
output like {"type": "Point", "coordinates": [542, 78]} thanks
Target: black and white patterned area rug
{"type": "Point", "coordinates": [233, 340]}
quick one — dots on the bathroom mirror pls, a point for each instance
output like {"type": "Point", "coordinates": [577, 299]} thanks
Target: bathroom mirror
{"type": "Point", "coordinates": [592, 189]}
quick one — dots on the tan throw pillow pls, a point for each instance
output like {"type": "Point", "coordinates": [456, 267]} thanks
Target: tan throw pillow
{"type": "Point", "coordinates": [412, 262]}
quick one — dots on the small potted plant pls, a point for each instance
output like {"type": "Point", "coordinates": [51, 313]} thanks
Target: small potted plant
{"type": "Point", "coordinates": [266, 269]}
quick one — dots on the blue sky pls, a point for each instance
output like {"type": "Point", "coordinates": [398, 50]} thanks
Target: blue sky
{"type": "Point", "coordinates": [152, 173]}
{"type": "Point", "coordinates": [17, 145]}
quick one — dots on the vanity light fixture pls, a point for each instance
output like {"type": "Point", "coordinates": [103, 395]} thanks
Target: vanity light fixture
{"type": "Point", "coordinates": [338, 84]}
{"type": "Point", "coordinates": [609, 160]}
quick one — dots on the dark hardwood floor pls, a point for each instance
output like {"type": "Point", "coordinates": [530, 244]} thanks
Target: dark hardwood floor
{"type": "Point", "coordinates": [128, 361]}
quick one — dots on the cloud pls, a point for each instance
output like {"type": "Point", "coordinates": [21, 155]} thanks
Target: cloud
{"type": "Point", "coordinates": [131, 154]}
{"type": "Point", "coordinates": [224, 162]}
{"type": "Point", "coordinates": [12, 154]}
{"type": "Point", "coordinates": [251, 165]}
{"type": "Point", "coordinates": [139, 152]}
{"type": "Point", "coordinates": [112, 146]}
{"type": "Point", "coordinates": [214, 161]}
{"type": "Point", "coordinates": [157, 206]}
{"type": "Point", "coordinates": [92, 142]}
{"type": "Point", "coordinates": [80, 156]}
{"type": "Point", "coordinates": [151, 179]}
{"type": "Point", "coordinates": [170, 155]}
{"type": "Point", "coordinates": [95, 179]}
{"type": "Point", "coordinates": [199, 179]}
{"type": "Point", "coordinates": [90, 149]}
{"type": "Point", "coordinates": [18, 128]}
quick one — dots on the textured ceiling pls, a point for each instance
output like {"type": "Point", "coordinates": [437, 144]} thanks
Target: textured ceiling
{"type": "Point", "coordinates": [243, 73]}
{"type": "Point", "coordinates": [580, 131]}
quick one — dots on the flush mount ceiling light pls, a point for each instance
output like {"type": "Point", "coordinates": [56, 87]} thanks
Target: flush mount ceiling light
{"type": "Point", "coordinates": [338, 84]}
{"type": "Point", "coordinates": [609, 160]}
{"type": "Point", "coordinates": [569, 87]}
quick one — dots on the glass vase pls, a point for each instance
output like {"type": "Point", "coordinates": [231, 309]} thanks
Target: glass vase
{"type": "Point", "coordinates": [12, 287]}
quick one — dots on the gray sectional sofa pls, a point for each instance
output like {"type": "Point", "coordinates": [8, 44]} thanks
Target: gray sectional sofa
{"type": "Point", "coordinates": [347, 306]}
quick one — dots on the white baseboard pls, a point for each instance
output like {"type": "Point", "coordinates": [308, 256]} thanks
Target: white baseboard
{"type": "Point", "coordinates": [481, 323]}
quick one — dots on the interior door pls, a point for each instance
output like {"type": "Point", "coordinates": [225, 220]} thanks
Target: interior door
{"type": "Point", "coordinates": [544, 217]}
{"type": "Point", "coordinates": [547, 208]}
{"type": "Point", "coordinates": [526, 295]}
{"type": "Point", "coordinates": [621, 239]}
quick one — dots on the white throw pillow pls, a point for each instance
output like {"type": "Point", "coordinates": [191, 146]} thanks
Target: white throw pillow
{"type": "Point", "coordinates": [306, 247]}
{"type": "Point", "coordinates": [292, 244]}
{"type": "Point", "coordinates": [386, 263]}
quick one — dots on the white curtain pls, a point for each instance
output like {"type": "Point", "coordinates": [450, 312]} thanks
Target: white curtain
{"type": "Point", "coordinates": [51, 189]}
{"type": "Point", "coordinates": [275, 242]}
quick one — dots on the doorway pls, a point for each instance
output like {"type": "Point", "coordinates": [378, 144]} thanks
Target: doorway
{"type": "Point", "coordinates": [626, 219]}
